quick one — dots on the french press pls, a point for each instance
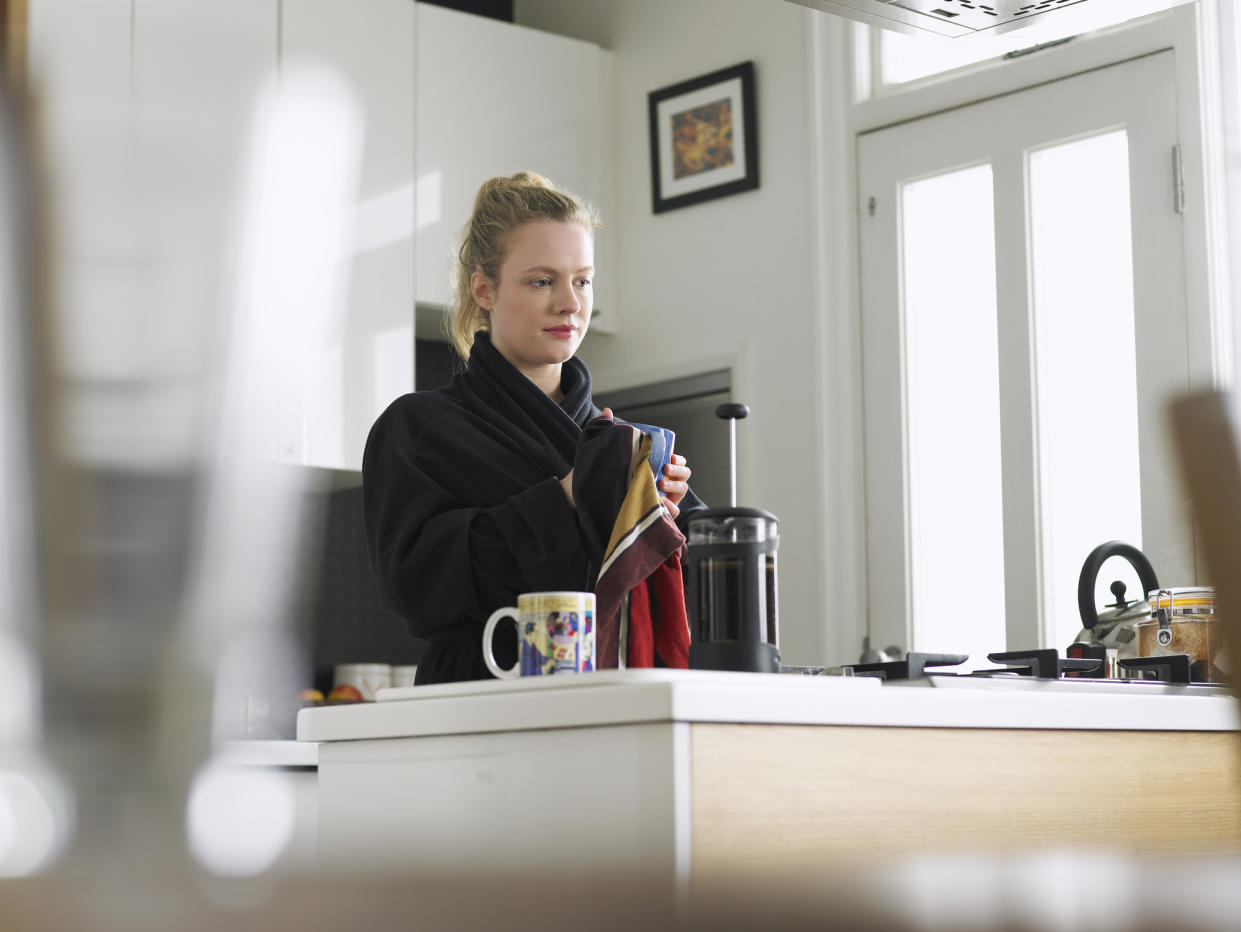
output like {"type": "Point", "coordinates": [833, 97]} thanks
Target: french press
{"type": "Point", "coordinates": [731, 597]}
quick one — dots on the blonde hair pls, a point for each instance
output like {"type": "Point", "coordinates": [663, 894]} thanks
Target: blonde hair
{"type": "Point", "coordinates": [501, 206]}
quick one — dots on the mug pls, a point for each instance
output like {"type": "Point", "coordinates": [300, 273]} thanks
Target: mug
{"type": "Point", "coordinates": [404, 674]}
{"type": "Point", "coordinates": [555, 634]}
{"type": "Point", "coordinates": [366, 678]}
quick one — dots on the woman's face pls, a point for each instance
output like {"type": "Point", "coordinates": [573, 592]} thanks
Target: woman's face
{"type": "Point", "coordinates": [540, 308]}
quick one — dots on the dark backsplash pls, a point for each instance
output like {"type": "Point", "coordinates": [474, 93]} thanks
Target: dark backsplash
{"type": "Point", "coordinates": [349, 626]}
{"type": "Point", "coordinates": [496, 9]}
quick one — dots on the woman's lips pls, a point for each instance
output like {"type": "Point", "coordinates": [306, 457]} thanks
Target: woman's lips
{"type": "Point", "coordinates": [563, 332]}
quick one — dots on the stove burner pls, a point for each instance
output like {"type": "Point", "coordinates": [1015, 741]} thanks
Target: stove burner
{"type": "Point", "coordinates": [1171, 668]}
{"type": "Point", "coordinates": [1091, 650]}
{"type": "Point", "coordinates": [1040, 666]}
{"type": "Point", "coordinates": [1043, 664]}
{"type": "Point", "coordinates": [911, 668]}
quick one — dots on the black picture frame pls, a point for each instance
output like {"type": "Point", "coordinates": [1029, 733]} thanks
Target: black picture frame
{"type": "Point", "coordinates": [704, 138]}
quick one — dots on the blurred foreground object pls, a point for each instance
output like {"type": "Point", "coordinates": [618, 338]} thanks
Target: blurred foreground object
{"type": "Point", "coordinates": [1208, 438]}
{"type": "Point", "coordinates": [171, 536]}
{"type": "Point", "coordinates": [36, 804]}
{"type": "Point", "coordinates": [1067, 891]}
{"type": "Point", "coordinates": [251, 527]}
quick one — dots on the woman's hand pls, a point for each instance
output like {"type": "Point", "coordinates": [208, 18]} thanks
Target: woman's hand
{"type": "Point", "coordinates": [674, 484]}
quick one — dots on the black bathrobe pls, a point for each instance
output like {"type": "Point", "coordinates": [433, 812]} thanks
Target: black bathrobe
{"type": "Point", "coordinates": [464, 509]}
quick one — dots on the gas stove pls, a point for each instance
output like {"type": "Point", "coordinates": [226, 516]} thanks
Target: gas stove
{"type": "Point", "coordinates": [1033, 670]}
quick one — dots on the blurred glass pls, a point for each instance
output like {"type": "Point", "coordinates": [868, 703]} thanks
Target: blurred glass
{"type": "Point", "coordinates": [195, 287]}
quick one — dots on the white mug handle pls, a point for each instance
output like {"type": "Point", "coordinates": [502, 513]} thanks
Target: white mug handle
{"type": "Point", "coordinates": [488, 656]}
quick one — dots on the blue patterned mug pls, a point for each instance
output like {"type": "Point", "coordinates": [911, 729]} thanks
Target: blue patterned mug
{"type": "Point", "coordinates": [555, 634]}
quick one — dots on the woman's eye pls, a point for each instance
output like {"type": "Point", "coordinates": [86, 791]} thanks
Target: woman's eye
{"type": "Point", "coordinates": [541, 282]}
{"type": "Point", "coordinates": [583, 282]}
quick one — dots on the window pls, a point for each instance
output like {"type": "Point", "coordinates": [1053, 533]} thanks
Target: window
{"type": "Point", "coordinates": [1081, 265]}
{"type": "Point", "coordinates": [953, 409]}
{"type": "Point", "coordinates": [1023, 323]}
{"type": "Point", "coordinates": [901, 59]}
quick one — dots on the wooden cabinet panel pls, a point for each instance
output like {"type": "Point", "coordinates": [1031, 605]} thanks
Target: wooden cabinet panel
{"type": "Point", "coordinates": [795, 799]}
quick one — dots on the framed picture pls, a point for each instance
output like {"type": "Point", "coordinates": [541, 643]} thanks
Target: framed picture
{"type": "Point", "coordinates": [704, 138]}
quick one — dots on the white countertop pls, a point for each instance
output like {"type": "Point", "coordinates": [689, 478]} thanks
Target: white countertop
{"type": "Point", "coordinates": [268, 753]}
{"type": "Point", "coordinates": [614, 697]}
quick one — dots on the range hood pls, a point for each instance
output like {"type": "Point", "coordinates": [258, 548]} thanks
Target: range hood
{"type": "Point", "coordinates": [962, 18]}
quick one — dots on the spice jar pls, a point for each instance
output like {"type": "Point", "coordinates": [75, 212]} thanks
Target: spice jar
{"type": "Point", "coordinates": [1183, 621]}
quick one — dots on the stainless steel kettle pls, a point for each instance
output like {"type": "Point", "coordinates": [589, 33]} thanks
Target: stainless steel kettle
{"type": "Point", "coordinates": [1114, 629]}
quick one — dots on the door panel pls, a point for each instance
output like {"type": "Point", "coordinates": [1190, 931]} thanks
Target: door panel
{"type": "Point", "coordinates": [1138, 98]}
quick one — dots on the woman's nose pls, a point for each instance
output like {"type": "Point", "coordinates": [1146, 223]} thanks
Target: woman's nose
{"type": "Point", "coordinates": [567, 300]}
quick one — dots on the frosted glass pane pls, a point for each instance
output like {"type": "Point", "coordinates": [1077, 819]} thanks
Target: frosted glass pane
{"type": "Point", "coordinates": [907, 58]}
{"type": "Point", "coordinates": [1086, 370]}
{"type": "Point", "coordinates": [953, 410]}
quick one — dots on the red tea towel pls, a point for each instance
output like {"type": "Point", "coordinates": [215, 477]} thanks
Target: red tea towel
{"type": "Point", "coordinates": [657, 619]}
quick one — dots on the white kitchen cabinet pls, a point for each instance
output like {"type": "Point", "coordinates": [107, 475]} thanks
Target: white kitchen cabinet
{"type": "Point", "coordinates": [493, 99]}
{"type": "Point", "coordinates": [198, 68]}
{"type": "Point", "coordinates": [148, 107]}
{"type": "Point", "coordinates": [80, 74]}
{"type": "Point", "coordinates": [701, 776]}
{"type": "Point", "coordinates": [141, 103]}
{"type": "Point", "coordinates": [371, 361]}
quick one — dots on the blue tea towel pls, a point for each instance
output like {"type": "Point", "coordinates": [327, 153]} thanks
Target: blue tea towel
{"type": "Point", "coordinates": [662, 440]}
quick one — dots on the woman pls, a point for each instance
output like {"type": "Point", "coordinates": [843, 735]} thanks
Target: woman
{"type": "Point", "coordinates": [468, 490]}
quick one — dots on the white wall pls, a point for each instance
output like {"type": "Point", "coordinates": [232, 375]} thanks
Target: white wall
{"type": "Point", "coordinates": [729, 281]}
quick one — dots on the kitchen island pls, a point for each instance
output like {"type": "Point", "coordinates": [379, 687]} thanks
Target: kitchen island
{"type": "Point", "coordinates": [693, 775]}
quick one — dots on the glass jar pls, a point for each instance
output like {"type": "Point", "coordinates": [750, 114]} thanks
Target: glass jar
{"type": "Point", "coordinates": [1183, 621]}
{"type": "Point", "coordinates": [731, 597]}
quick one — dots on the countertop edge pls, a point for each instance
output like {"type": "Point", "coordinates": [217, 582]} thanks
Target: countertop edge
{"type": "Point", "coordinates": [786, 701]}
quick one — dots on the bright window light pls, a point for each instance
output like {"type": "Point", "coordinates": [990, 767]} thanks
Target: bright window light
{"type": "Point", "coordinates": [904, 58]}
{"type": "Point", "coordinates": [239, 820]}
{"type": "Point", "coordinates": [1086, 369]}
{"type": "Point", "coordinates": [37, 816]}
{"type": "Point", "coordinates": [953, 410]}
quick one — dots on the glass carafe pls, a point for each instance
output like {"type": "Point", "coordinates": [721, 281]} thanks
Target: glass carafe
{"type": "Point", "coordinates": [732, 590]}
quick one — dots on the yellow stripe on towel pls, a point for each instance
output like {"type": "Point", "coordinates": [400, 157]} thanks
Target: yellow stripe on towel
{"type": "Point", "coordinates": [641, 507]}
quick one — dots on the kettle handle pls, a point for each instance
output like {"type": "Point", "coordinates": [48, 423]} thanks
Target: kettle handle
{"type": "Point", "coordinates": [1090, 574]}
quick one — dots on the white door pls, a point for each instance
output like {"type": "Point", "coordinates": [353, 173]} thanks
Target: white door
{"type": "Point", "coordinates": [1024, 324]}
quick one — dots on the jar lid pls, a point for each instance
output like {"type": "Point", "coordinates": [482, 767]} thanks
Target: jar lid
{"type": "Point", "coordinates": [1187, 600]}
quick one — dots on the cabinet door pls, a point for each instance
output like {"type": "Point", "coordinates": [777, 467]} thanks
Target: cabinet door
{"type": "Point", "coordinates": [79, 66]}
{"type": "Point", "coordinates": [371, 361]}
{"type": "Point", "coordinates": [493, 99]}
{"type": "Point", "coordinates": [197, 67]}
{"type": "Point", "coordinates": [79, 57]}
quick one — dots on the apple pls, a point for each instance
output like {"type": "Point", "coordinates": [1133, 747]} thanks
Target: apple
{"type": "Point", "coordinates": [310, 695]}
{"type": "Point", "coordinates": [345, 693]}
